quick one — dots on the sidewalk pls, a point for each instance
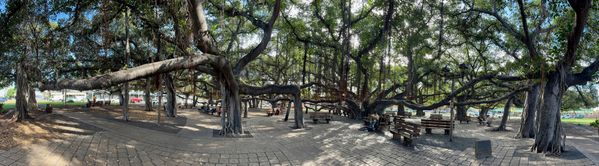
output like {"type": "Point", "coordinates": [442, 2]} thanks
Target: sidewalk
{"type": "Point", "coordinates": [586, 146]}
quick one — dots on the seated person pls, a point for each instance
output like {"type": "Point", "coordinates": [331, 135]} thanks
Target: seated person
{"type": "Point", "coordinates": [372, 121]}
{"type": "Point", "coordinates": [219, 110]}
{"type": "Point", "coordinates": [48, 108]}
{"type": "Point", "coordinates": [277, 111]}
{"type": "Point", "coordinates": [269, 112]}
{"type": "Point", "coordinates": [212, 111]}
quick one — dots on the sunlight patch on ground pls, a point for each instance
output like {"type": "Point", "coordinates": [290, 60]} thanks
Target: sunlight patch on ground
{"type": "Point", "coordinates": [208, 126]}
{"type": "Point", "coordinates": [293, 134]}
{"type": "Point", "coordinates": [189, 128]}
{"type": "Point", "coordinates": [41, 155]}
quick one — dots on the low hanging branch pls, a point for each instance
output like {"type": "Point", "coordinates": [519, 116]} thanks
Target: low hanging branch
{"type": "Point", "coordinates": [115, 78]}
{"type": "Point", "coordinates": [269, 89]}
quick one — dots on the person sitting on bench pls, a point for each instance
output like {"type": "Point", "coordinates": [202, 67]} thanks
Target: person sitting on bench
{"type": "Point", "coordinates": [48, 108]}
{"type": "Point", "coordinates": [372, 121]}
{"type": "Point", "coordinates": [212, 111]}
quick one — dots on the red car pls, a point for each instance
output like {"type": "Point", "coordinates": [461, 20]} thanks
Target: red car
{"type": "Point", "coordinates": [135, 100]}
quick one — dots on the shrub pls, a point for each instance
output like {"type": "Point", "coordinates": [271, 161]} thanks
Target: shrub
{"type": "Point", "coordinates": [595, 123]}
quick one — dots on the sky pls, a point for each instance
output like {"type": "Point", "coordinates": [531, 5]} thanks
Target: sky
{"type": "Point", "coordinates": [2, 5]}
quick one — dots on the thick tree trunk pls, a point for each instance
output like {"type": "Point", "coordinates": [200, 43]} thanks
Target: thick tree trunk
{"type": "Point", "coordinates": [186, 99]}
{"type": "Point", "coordinates": [461, 110]}
{"type": "Point", "coordinates": [125, 102]}
{"type": "Point", "coordinates": [121, 98]}
{"type": "Point", "coordinates": [171, 98]}
{"type": "Point", "coordinates": [147, 96]}
{"type": "Point", "coordinates": [245, 109]}
{"type": "Point", "coordinates": [231, 111]}
{"type": "Point", "coordinates": [31, 101]}
{"type": "Point", "coordinates": [527, 127]}
{"type": "Point", "coordinates": [401, 110]}
{"type": "Point", "coordinates": [287, 112]}
{"type": "Point", "coordinates": [483, 113]}
{"type": "Point", "coordinates": [299, 114]}
{"type": "Point", "coordinates": [195, 101]}
{"type": "Point", "coordinates": [419, 113]}
{"type": "Point", "coordinates": [548, 138]}
{"type": "Point", "coordinates": [506, 114]}
{"type": "Point", "coordinates": [21, 94]}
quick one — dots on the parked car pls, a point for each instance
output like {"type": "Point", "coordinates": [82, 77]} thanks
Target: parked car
{"type": "Point", "coordinates": [136, 100]}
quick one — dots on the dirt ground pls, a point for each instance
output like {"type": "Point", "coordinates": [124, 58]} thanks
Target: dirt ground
{"type": "Point", "coordinates": [43, 127]}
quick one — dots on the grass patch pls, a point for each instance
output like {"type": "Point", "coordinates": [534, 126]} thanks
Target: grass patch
{"type": "Point", "coordinates": [581, 121]}
{"type": "Point", "coordinates": [11, 105]}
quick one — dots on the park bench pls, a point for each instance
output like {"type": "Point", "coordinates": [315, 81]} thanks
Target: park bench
{"type": "Point", "coordinates": [384, 122]}
{"type": "Point", "coordinates": [429, 124]}
{"type": "Point", "coordinates": [407, 130]}
{"type": "Point", "coordinates": [436, 117]}
{"type": "Point", "coordinates": [321, 116]}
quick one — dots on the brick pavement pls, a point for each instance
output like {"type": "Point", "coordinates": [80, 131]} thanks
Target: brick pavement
{"type": "Point", "coordinates": [274, 143]}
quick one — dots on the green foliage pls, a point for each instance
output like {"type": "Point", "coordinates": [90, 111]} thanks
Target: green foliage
{"type": "Point", "coordinates": [595, 124]}
{"type": "Point", "coordinates": [10, 92]}
{"type": "Point", "coordinates": [585, 98]}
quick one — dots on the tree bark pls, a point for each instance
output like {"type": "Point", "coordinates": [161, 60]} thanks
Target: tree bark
{"type": "Point", "coordinates": [287, 112]}
{"type": "Point", "coordinates": [551, 138]}
{"type": "Point", "coordinates": [548, 138]}
{"type": "Point", "coordinates": [125, 102]}
{"type": "Point", "coordinates": [107, 80]}
{"type": "Point", "coordinates": [419, 112]}
{"type": "Point", "coordinates": [195, 101]}
{"type": "Point", "coordinates": [245, 110]}
{"type": "Point", "coordinates": [171, 98]}
{"type": "Point", "coordinates": [121, 98]}
{"type": "Point", "coordinates": [506, 114]}
{"type": "Point", "coordinates": [401, 110]}
{"type": "Point", "coordinates": [127, 57]}
{"type": "Point", "coordinates": [21, 94]}
{"type": "Point", "coordinates": [527, 126]}
{"type": "Point", "coordinates": [186, 99]}
{"type": "Point", "coordinates": [147, 95]}
{"type": "Point", "coordinates": [483, 113]}
{"type": "Point", "coordinates": [299, 115]}
{"type": "Point", "coordinates": [461, 110]}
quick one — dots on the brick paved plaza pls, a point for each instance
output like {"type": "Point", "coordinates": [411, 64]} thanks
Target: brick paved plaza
{"type": "Point", "coordinates": [274, 143]}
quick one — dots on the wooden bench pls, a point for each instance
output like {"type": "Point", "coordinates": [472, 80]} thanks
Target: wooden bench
{"type": "Point", "coordinates": [321, 116]}
{"type": "Point", "coordinates": [429, 124]}
{"type": "Point", "coordinates": [436, 117]}
{"type": "Point", "coordinates": [407, 130]}
{"type": "Point", "coordinates": [384, 122]}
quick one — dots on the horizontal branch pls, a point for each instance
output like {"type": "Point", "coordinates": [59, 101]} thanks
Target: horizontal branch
{"type": "Point", "coordinates": [122, 76]}
{"type": "Point", "coordinates": [269, 89]}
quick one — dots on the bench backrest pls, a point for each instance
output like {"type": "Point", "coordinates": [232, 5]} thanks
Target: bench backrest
{"type": "Point", "coordinates": [435, 123]}
{"type": "Point", "coordinates": [407, 126]}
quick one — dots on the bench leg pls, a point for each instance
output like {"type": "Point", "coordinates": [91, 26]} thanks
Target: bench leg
{"type": "Point", "coordinates": [429, 130]}
{"type": "Point", "coordinates": [397, 136]}
{"type": "Point", "coordinates": [446, 131]}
